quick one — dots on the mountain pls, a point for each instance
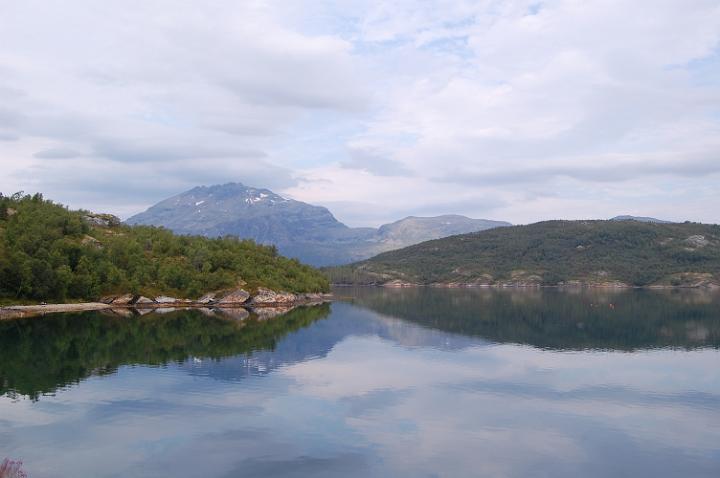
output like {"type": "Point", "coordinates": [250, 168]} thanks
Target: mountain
{"type": "Point", "coordinates": [640, 219]}
{"type": "Point", "coordinates": [603, 253]}
{"type": "Point", "coordinates": [309, 233]}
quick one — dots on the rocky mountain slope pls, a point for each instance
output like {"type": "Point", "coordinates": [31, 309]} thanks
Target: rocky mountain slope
{"type": "Point", "coordinates": [309, 233]}
{"type": "Point", "coordinates": [600, 253]}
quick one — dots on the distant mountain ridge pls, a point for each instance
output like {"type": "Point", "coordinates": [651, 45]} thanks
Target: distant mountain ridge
{"type": "Point", "coordinates": [640, 219]}
{"type": "Point", "coordinates": [309, 233]}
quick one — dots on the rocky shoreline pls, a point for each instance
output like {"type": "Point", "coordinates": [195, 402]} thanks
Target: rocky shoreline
{"type": "Point", "coordinates": [398, 284]}
{"type": "Point", "coordinates": [238, 303]}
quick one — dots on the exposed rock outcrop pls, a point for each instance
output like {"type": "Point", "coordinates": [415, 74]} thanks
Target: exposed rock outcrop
{"type": "Point", "coordinates": [697, 241]}
{"type": "Point", "coordinates": [102, 220]}
{"type": "Point", "coordinates": [266, 296]}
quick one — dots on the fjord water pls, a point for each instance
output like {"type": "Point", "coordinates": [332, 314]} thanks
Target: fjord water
{"type": "Point", "coordinates": [383, 382]}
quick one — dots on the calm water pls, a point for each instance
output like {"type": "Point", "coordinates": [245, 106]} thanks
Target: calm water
{"type": "Point", "coordinates": [397, 383]}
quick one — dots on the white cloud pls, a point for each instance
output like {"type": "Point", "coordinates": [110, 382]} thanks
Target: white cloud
{"type": "Point", "coordinates": [516, 110]}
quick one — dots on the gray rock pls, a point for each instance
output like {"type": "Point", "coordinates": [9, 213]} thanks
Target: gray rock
{"type": "Point", "coordinates": [143, 300]}
{"type": "Point", "coordinates": [237, 296]}
{"type": "Point", "coordinates": [267, 296]}
{"type": "Point", "coordinates": [102, 220]}
{"type": "Point", "coordinates": [163, 299]}
{"type": "Point", "coordinates": [123, 299]}
{"type": "Point", "coordinates": [697, 241]}
{"type": "Point", "coordinates": [207, 298]}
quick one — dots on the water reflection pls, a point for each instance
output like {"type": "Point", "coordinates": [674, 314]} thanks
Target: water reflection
{"type": "Point", "coordinates": [40, 354]}
{"type": "Point", "coordinates": [383, 387]}
{"type": "Point", "coordinates": [574, 319]}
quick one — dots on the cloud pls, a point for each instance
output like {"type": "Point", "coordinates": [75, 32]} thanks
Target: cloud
{"type": "Point", "coordinates": [375, 163]}
{"type": "Point", "coordinates": [57, 153]}
{"type": "Point", "coordinates": [378, 109]}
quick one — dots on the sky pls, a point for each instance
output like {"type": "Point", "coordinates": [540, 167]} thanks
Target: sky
{"type": "Point", "coordinates": [510, 110]}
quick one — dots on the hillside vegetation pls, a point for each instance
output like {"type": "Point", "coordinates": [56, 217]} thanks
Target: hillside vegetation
{"type": "Point", "coordinates": [48, 252]}
{"type": "Point", "coordinates": [551, 253]}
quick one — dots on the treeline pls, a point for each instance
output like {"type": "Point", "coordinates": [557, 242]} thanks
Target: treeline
{"type": "Point", "coordinates": [553, 252]}
{"type": "Point", "coordinates": [48, 252]}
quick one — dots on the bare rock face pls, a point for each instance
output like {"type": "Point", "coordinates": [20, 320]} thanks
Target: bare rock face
{"type": "Point", "coordinates": [144, 300]}
{"type": "Point", "coordinates": [267, 296]}
{"type": "Point", "coordinates": [123, 299]}
{"type": "Point", "coordinates": [163, 299]}
{"type": "Point", "coordinates": [237, 296]}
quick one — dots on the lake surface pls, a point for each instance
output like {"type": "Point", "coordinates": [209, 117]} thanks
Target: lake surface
{"type": "Point", "coordinates": [384, 382]}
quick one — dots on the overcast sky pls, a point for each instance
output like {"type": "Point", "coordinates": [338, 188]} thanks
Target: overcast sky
{"type": "Point", "coordinates": [511, 110]}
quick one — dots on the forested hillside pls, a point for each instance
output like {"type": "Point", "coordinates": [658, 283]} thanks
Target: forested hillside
{"type": "Point", "coordinates": [553, 252]}
{"type": "Point", "coordinates": [48, 252]}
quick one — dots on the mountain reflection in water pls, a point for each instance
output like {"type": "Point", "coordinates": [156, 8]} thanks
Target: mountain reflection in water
{"type": "Point", "coordinates": [382, 382]}
{"type": "Point", "coordinates": [40, 354]}
{"type": "Point", "coordinates": [575, 319]}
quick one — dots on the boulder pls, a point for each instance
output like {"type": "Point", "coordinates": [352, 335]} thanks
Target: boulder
{"type": "Point", "coordinates": [108, 299]}
{"type": "Point", "coordinates": [143, 300]}
{"type": "Point", "coordinates": [163, 299]}
{"type": "Point", "coordinates": [267, 296]}
{"type": "Point", "coordinates": [236, 296]}
{"type": "Point", "coordinates": [207, 298]}
{"type": "Point", "coordinates": [125, 299]}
